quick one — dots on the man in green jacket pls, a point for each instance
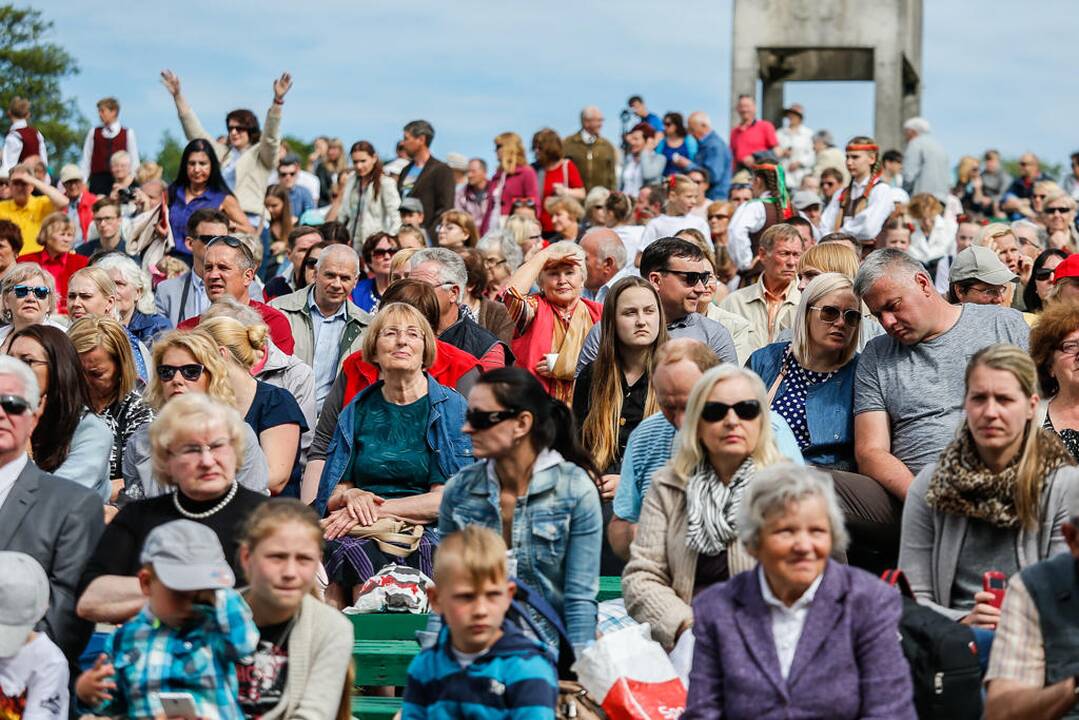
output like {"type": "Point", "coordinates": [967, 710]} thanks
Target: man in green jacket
{"type": "Point", "coordinates": [594, 156]}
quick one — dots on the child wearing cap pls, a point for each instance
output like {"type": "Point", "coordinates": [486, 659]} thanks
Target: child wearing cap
{"type": "Point", "coordinates": [481, 666]}
{"type": "Point", "coordinates": [33, 671]}
{"type": "Point", "coordinates": [188, 637]}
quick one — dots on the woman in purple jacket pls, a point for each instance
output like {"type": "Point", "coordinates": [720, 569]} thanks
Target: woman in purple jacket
{"type": "Point", "coordinates": [800, 635]}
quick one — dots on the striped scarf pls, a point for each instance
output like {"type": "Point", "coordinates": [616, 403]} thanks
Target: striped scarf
{"type": "Point", "coordinates": [712, 507]}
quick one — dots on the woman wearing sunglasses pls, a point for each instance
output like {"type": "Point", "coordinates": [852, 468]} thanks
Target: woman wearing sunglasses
{"type": "Point", "coordinates": [1039, 290]}
{"type": "Point", "coordinates": [378, 251]}
{"type": "Point", "coordinates": [687, 538]}
{"type": "Point", "coordinates": [186, 362]}
{"type": "Point", "coordinates": [534, 484]}
{"type": "Point", "coordinates": [1059, 220]}
{"type": "Point", "coordinates": [28, 297]}
{"type": "Point", "coordinates": [811, 377]}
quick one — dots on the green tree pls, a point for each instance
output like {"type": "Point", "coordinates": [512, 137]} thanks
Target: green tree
{"type": "Point", "coordinates": [32, 67]}
{"type": "Point", "coordinates": [300, 148]}
{"type": "Point", "coordinates": [168, 156]}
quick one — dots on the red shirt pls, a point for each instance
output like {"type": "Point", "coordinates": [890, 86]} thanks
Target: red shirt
{"type": "Point", "coordinates": [451, 364]}
{"type": "Point", "coordinates": [759, 136]}
{"type": "Point", "coordinates": [280, 330]}
{"type": "Point", "coordinates": [567, 174]}
{"type": "Point", "coordinates": [61, 269]}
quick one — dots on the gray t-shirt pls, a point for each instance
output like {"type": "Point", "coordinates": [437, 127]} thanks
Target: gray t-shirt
{"type": "Point", "coordinates": [985, 547]}
{"type": "Point", "coordinates": [921, 386]}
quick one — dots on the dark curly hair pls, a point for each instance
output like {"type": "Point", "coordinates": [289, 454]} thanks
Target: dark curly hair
{"type": "Point", "coordinates": [1055, 322]}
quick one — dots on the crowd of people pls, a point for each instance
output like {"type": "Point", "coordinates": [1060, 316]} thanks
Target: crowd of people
{"type": "Point", "coordinates": [745, 374]}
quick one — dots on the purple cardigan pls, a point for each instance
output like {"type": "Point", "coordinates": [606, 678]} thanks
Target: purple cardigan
{"type": "Point", "coordinates": [848, 663]}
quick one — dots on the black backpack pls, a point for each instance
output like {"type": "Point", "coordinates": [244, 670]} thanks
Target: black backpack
{"type": "Point", "coordinates": [943, 659]}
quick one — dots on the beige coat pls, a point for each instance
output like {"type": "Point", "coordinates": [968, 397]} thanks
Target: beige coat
{"type": "Point", "coordinates": [749, 303]}
{"type": "Point", "coordinates": [657, 584]}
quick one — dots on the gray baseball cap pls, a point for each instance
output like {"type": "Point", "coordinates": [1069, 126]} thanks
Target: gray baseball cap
{"type": "Point", "coordinates": [980, 263]}
{"type": "Point", "coordinates": [187, 556]}
{"type": "Point", "coordinates": [411, 205]}
{"type": "Point", "coordinates": [805, 198]}
{"type": "Point", "coordinates": [24, 599]}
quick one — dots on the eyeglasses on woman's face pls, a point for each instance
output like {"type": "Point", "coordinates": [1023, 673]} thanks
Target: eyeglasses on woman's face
{"type": "Point", "coordinates": [831, 314]}
{"type": "Point", "coordinates": [39, 291]}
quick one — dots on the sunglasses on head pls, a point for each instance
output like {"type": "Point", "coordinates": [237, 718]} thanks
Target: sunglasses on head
{"type": "Point", "coordinates": [744, 409]}
{"type": "Point", "coordinates": [40, 291]}
{"type": "Point", "coordinates": [830, 313]}
{"type": "Point", "coordinates": [484, 419]}
{"type": "Point", "coordinates": [690, 278]}
{"type": "Point", "coordinates": [13, 404]}
{"type": "Point", "coordinates": [190, 372]}
{"type": "Point", "coordinates": [232, 242]}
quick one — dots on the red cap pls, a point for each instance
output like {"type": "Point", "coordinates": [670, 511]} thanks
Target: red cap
{"type": "Point", "coordinates": [1068, 268]}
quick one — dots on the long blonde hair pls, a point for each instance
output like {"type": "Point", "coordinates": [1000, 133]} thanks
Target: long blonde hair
{"type": "Point", "coordinates": [513, 152]}
{"type": "Point", "coordinates": [822, 285]}
{"type": "Point", "coordinates": [204, 350]}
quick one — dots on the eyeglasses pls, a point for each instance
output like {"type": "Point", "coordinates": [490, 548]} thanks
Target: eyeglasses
{"type": "Point", "coordinates": [383, 252]}
{"type": "Point", "coordinates": [190, 372]}
{"type": "Point", "coordinates": [1057, 211]}
{"type": "Point", "coordinates": [486, 419]}
{"type": "Point", "coordinates": [106, 218]}
{"type": "Point", "coordinates": [281, 173]}
{"type": "Point", "coordinates": [310, 262]}
{"type": "Point", "coordinates": [830, 313]}
{"type": "Point", "coordinates": [744, 409]}
{"type": "Point", "coordinates": [1069, 348]}
{"type": "Point", "coordinates": [992, 291]}
{"type": "Point", "coordinates": [493, 261]}
{"type": "Point", "coordinates": [409, 333]}
{"type": "Point", "coordinates": [195, 451]}
{"type": "Point", "coordinates": [13, 404]}
{"type": "Point", "coordinates": [719, 216]}
{"type": "Point", "coordinates": [690, 278]}
{"type": "Point", "coordinates": [40, 291]}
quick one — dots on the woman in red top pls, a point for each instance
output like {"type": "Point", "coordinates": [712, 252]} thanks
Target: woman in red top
{"type": "Point", "coordinates": [515, 179]}
{"type": "Point", "coordinates": [560, 175]}
{"type": "Point", "coordinates": [57, 235]}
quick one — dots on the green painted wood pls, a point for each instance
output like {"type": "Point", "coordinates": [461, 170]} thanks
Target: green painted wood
{"type": "Point", "coordinates": [383, 662]}
{"type": "Point", "coordinates": [374, 708]}
{"type": "Point", "coordinates": [610, 587]}
{"type": "Point", "coordinates": [387, 626]}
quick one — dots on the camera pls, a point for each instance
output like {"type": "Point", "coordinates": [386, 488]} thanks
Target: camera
{"type": "Point", "coordinates": [626, 115]}
{"type": "Point", "coordinates": [126, 195]}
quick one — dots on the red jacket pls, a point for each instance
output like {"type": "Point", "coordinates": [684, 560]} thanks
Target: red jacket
{"type": "Point", "coordinates": [450, 365]}
{"type": "Point", "coordinates": [280, 330]}
{"type": "Point", "coordinates": [85, 209]}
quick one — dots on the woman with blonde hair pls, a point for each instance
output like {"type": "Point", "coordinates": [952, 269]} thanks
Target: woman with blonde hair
{"type": "Point", "coordinates": [566, 219]}
{"type": "Point", "coordinates": [527, 233]}
{"type": "Point", "coordinates": [272, 412]}
{"type": "Point", "coordinates": [28, 297]}
{"type": "Point", "coordinates": [58, 256]}
{"type": "Point", "coordinates": [91, 291]}
{"type": "Point", "coordinates": [997, 497]}
{"type": "Point", "coordinates": [1001, 239]}
{"type": "Point", "coordinates": [515, 179]}
{"type": "Point", "coordinates": [1058, 216]}
{"type": "Point", "coordinates": [687, 538]}
{"type": "Point", "coordinates": [186, 362]}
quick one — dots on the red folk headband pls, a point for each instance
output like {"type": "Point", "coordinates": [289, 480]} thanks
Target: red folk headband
{"type": "Point", "coordinates": [867, 148]}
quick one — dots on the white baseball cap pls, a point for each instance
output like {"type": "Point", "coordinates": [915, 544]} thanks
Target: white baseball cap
{"type": "Point", "coordinates": [24, 599]}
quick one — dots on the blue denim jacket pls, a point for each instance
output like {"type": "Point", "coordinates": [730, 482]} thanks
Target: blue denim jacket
{"type": "Point", "coordinates": [557, 533]}
{"type": "Point", "coordinates": [452, 448]}
{"type": "Point", "coordinates": [829, 408]}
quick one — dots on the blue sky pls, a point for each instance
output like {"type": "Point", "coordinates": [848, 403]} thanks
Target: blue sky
{"type": "Point", "coordinates": [993, 75]}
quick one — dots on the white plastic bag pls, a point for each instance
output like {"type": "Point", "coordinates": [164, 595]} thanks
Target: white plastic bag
{"type": "Point", "coordinates": [394, 588]}
{"type": "Point", "coordinates": [632, 676]}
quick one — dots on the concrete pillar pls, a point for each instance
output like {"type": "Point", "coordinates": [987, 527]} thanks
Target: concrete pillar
{"type": "Point", "coordinates": [888, 100]}
{"type": "Point", "coordinates": [772, 102]}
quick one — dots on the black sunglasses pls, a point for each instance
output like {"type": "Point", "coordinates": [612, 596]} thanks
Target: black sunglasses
{"type": "Point", "coordinates": [1057, 211]}
{"type": "Point", "coordinates": [830, 313]}
{"type": "Point", "coordinates": [190, 372]}
{"type": "Point", "coordinates": [523, 202]}
{"type": "Point", "coordinates": [232, 242]}
{"type": "Point", "coordinates": [1043, 274]}
{"type": "Point", "coordinates": [484, 419]}
{"type": "Point", "coordinates": [40, 291]}
{"type": "Point", "coordinates": [310, 262]}
{"type": "Point", "coordinates": [13, 404]}
{"type": "Point", "coordinates": [690, 278]}
{"type": "Point", "coordinates": [716, 411]}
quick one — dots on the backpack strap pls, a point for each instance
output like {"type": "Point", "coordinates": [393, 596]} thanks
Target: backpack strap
{"type": "Point", "coordinates": [527, 598]}
{"type": "Point", "coordinates": [899, 581]}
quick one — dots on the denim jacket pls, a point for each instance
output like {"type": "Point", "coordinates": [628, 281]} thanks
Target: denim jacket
{"type": "Point", "coordinates": [452, 448]}
{"type": "Point", "coordinates": [829, 408]}
{"type": "Point", "coordinates": [557, 532]}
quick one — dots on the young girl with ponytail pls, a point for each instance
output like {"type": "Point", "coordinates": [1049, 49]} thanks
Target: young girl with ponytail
{"type": "Point", "coordinates": [771, 205]}
{"type": "Point", "coordinates": [862, 207]}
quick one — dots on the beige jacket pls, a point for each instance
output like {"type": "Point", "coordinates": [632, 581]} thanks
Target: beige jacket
{"type": "Point", "coordinates": [254, 164]}
{"type": "Point", "coordinates": [749, 303]}
{"type": "Point", "coordinates": [742, 333]}
{"type": "Point", "coordinates": [657, 584]}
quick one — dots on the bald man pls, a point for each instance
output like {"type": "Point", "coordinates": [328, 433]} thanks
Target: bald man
{"type": "Point", "coordinates": [594, 156]}
{"type": "Point", "coordinates": [713, 155]}
{"type": "Point", "coordinates": [605, 262]}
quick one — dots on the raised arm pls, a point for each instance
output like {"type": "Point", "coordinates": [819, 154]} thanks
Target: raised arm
{"type": "Point", "coordinates": [270, 140]}
{"type": "Point", "coordinates": [59, 200]}
{"type": "Point", "coordinates": [189, 121]}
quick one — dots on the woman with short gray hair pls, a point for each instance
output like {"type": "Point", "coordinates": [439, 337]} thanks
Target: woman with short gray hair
{"type": "Point", "coordinates": [27, 297]}
{"type": "Point", "coordinates": [134, 297]}
{"type": "Point", "coordinates": [799, 635]}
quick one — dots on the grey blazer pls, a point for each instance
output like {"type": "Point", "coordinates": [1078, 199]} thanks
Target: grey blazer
{"type": "Point", "coordinates": [169, 294]}
{"type": "Point", "coordinates": [931, 540]}
{"type": "Point", "coordinates": [58, 523]}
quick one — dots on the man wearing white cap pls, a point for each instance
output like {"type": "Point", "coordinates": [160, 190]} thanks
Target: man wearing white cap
{"type": "Point", "coordinates": [978, 276]}
{"type": "Point", "coordinates": [795, 146]}
{"type": "Point", "coordinates": [33, 671]}
{"type": "Point", "coordinates": [925, 164]}
{"type": "Point", "coordinates": [80, 201]}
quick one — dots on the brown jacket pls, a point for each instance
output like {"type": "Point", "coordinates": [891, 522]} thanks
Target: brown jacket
{"type": "Point", "coordinates": [595, 162]}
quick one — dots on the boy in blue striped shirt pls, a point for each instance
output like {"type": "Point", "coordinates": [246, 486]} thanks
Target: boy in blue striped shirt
{"type": "Point", "coordinates": [481, 666]}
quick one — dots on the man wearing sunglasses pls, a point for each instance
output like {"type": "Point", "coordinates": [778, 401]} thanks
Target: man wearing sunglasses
{"type": "Point", "coordinates": [55, 521]}
{"type": "Point", "coordinates": [288, 174]}
{"type": "Point", "coordinates": [770, 303]}
{"type": "Point", "coordinates": [679, 271]}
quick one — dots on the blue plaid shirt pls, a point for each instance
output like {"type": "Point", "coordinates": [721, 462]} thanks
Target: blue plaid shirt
{"type": "Point", "coordinates": [150, 657]}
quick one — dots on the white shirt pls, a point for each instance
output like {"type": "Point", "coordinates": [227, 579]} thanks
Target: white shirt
{"type": "Point", "coordinates": [109, 131]}
{"type": "Point", "coordinates": [631, 236]}
{"type": "Point", "coordinates": [669, 225]}
{"type": "Point", "coordinates": [13, 147]}
{"type": "Point", "coordinates": [800, 143]}
{"type": "Point", "coordinates": [9, 474]}
{"type": "Point", "coordinates": [939, 242]}
{"type": "Point", "coordinates": [748, 218]}
{"type": "Point", "coordinates": [39, 671]}
{"type": "Point", "coordinates": [787, 622]}
{"type": "Point", "coordinates": [866, 224]}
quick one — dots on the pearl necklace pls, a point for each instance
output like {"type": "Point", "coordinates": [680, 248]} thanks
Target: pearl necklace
{"type": "Point", "coordinates": [203, 515]}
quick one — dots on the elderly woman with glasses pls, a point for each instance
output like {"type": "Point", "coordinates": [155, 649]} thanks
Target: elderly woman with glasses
{"type": "Point", "coordinates": [811, 378]}
{"type": "Point", "coordinates": [687, 537]}
{"type": "Point", "coordinates": [134, 297]}
{"type": "Point", "coordinates": [1058, 216]}
{"type": "Point", "coordinates": [28, 297]}
{"type": "Point", "coordinates": [839, 659]}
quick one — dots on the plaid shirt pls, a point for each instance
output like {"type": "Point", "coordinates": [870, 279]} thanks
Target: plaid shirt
{"type": "Point", "coordinates": [150, 657]}
{"type": "Point", "coordinates": [1018, 651]}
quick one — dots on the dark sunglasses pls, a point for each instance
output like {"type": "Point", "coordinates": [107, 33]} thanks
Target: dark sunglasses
{"type": "Point", "coordinates": [1057, 211]}
{"type": "Point", "coordinates": [718, 216]}
{"type": "Point", "coordinates": [524, 202]}
{"type": "Point", "coordinates": [387, 252]}
{"type": "Point", "coordinates": [690, 278]}
{"type": "Point", "coordinates": [484, 419]}
{"type": "Point", "coordinates": [830, 313]}
{"type": "Point", "coordinates": [190, 372]}
{"type": "Point", "coordinates": [1043, 273]}
{"type": "Point", "coordinates": [13, 404]}
{"type": "Point", "coordinates": [744, 409]}
{"type": "Point", "coordinates": [232, 242]}
{"type": "Point", "coordinates": [40, 291]}
{"type": "Point", "coordinates": [238, 128]}
{"type": "Point", "coordinates": [310, 262]}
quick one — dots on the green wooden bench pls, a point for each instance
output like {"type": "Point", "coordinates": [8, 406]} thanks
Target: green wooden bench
{"type": "Point", "coordinates": [610, 587]}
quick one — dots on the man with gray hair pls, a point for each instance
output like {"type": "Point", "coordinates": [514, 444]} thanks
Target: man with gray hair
{"type": "Point", "coordinates": [925, 164]}
{"type": "Point", "coordinates": [594, 156]}
{"type": "Point", "coordinates": [326, 325]}
{"type": "Point", "coordinates": [55, 521]}
{"type": "Point", "coordinates": [908, 389]}
{"type": "Point", "coordinates": [605, 260]}
{"type": "Point", "coordinates": [444, 270]}
{"type": "Point", "coordinates": [425, 178]}
{"type": "Point", "coordinates": [713, 155]}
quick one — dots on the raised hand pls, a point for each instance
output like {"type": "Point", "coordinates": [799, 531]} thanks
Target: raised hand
{"type": "Point", "coordinates": [171, 81]}
{"type": "Point", "coordinates": [281, 86]}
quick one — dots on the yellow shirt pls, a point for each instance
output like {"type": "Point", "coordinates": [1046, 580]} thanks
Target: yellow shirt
{"type": "Point", "coordinates": [28, 218]}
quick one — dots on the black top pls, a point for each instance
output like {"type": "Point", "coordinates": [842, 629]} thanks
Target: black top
{"type": "Point", "coordinates": [711, 569]}
{"type": "Point", "coordinates": [276, 287]}
{"type": "Point", "coordinates": [633, 400]}
{"type": "Point", "coordinates": [117, 553]}
{"type": "Point", "coordinates": [273, 406]}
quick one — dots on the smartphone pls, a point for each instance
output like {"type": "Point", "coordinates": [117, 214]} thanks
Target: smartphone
{"type": "Point", "coordinates": [995, 582]}
{"type": "Point", "coordinates": [179, 705]}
